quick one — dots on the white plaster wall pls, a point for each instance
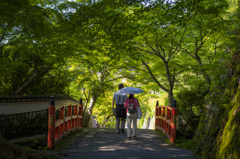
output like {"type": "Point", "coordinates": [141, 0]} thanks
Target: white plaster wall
{"type": "Point", "coordinates": [22, 107]}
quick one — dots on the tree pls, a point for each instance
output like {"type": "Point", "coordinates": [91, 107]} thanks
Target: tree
{"type": "Point", "coordinates": [164, 30]}
{"type": "Point", "coordinates": [206, 28]}
{"type": "Point", "coordinates": [29, 49]}
{"type": "Point", "coordinates": [94, 73]}
{"type": "Point", "coordinates": [152, 31]}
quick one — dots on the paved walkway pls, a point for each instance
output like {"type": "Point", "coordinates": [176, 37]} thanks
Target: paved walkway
{"type": "Point", "coordinates": [106, 144]}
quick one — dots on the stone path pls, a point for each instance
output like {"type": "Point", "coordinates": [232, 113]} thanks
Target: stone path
{"type": "Point", "coordinates": [106, 144]}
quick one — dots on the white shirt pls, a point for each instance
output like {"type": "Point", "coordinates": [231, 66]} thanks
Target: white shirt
{"type": "Point", "coordinates": [122, 98]}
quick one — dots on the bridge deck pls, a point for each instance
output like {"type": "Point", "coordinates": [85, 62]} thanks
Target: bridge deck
{"type": "Point", "coordinates": [105, 143]}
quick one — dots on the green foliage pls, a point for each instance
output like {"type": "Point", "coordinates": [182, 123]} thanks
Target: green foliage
{"type": "Point", "coordinates": [166, 101]}
{"type": "Point", "coordinates": [29, 49]}
{"type": "Point", "coordinates": [185, 144]}
{"type": "Point", "coordinates": [191, 101]}
{"type": "Point", "coordinates": [181, 49]}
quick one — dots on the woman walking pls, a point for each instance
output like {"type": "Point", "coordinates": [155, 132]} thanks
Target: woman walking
{"type": "Point", "coordinates": [131, 105]}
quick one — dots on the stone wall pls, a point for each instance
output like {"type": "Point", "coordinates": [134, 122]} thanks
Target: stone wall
{"type": "Point", "coordinates": [25, 124]}
{"type": "Point", "coordinates": [186, 126]}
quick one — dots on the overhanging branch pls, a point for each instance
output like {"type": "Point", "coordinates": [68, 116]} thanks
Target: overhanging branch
{"type": "Point", "coordinates": [154, 78]}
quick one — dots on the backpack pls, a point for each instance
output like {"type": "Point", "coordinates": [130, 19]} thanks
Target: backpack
{"type": "Point", "coordinates": [131, 108]}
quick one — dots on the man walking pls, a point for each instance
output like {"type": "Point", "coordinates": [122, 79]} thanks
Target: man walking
{"type": "Point", "coordinates": [120, 110]}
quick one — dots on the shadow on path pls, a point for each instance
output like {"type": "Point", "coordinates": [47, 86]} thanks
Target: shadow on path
{"type": "Point", "coordinates": [106, 144]}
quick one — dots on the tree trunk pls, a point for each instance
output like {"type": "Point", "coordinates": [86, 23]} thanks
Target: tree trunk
{"type": "Point", "coordinates": [170, 98]}
{"type": "Point", "coordinates": [105, 120]}
{"type": "Point", "coordinates": [19, 90]}
{"type": "Point", "coordinates": [86, 105]}
{"type": "Point", "coordinates": [86, 119]}
{"type": "Point", "coordinates": [24, 86]}
{"type": "Point", "coordinates": [88, 112]}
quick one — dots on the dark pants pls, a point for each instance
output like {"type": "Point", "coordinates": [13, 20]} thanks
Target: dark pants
{"type": "Point", "coordinates": [120, 117]}
{"type": "Point", "coordinates": [121, 111]}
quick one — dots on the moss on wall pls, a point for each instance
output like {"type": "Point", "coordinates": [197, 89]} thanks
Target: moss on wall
{"type": "Point", "coordinates": [218, 133]}
{"type": "Point", "coordinates": [229, 146]}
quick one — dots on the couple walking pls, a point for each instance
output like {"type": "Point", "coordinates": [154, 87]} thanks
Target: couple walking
{"type": "Point", "coordinates": [122, 113]}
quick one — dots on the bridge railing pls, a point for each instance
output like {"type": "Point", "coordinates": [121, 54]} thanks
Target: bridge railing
{"type": "Point", "coordinates": [62, 121]}
{"type": "Point", "coordinates": [165, 121]}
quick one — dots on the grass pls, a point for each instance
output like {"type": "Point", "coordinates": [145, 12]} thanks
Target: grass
{"type": "Point", "coordinates": [186, 144]}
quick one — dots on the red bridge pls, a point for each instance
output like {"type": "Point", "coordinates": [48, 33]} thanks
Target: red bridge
{"type": "Point", "coordinates": [65, 121]}
{"type": "Point", "coordinates": [62, 121]}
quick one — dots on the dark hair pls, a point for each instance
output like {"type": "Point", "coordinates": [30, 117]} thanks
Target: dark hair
{"type": "Point", "coordinates": [120, 86]}
{"type": "Point", "coordinates": [130, 96]}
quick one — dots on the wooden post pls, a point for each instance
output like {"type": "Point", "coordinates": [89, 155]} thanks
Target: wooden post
{"type": "Point", "coordinates": [173, 122]}
{"type": "Point", "coordinates": [75, 114]}
{"type": "Point", "coordinates": [69, 115]}
{"type": "Point", "coordinates": [81, 113]}
{"type": "Point", "coordinates": [51, 124]}
{"type": "Point", "coordinates": [156, 116]}
{"type": "Point", "coordinates": [160, 118]}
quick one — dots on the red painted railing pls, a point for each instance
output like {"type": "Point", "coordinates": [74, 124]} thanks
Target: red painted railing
{"type": "Point", "coordinates": [165, 121]}
{"type": "Point", "coordinates": [62, 121]}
